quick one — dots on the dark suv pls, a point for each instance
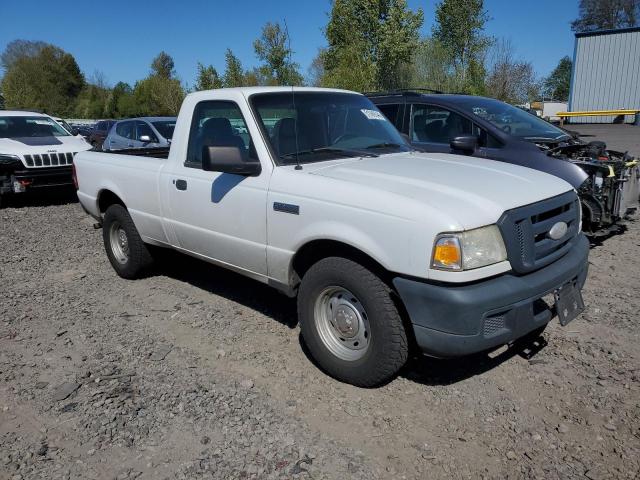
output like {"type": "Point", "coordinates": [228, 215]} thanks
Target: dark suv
{"type": "Point", "coordinates": [607, 181]}
{"type": "Point", "coordinates": [99, 133]}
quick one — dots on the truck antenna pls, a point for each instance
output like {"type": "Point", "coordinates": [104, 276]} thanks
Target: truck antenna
{"type": "Point", "coordinates": [293, 98]}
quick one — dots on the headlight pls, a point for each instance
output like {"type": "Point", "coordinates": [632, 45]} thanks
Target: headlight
{"type": "Point", "coordinates": [467, 250]}
{"type": "Point", "coordinates": [8, 158]}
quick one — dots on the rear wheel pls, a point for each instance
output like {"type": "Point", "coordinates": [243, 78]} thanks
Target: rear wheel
{"type": "Point", "coordinates": [127, 253]}
{"type": "Point", "coordinates": [350, 323]}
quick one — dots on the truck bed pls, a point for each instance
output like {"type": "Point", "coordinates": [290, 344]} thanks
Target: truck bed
{"type": "Point", "coordinates": [161, 152]}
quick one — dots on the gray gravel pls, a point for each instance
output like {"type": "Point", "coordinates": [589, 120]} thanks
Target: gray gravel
{"type": "Point", "coordinates": [196, 372]}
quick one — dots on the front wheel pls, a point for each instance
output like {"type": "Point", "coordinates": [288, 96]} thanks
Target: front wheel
{"type": "Point", "coordinates": [128, 254]}
{"type": "Point", "coordinates": [350, 323]}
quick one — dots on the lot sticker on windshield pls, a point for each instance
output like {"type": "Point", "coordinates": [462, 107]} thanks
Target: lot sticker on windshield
{"type": "Point", "coordinates": [372, 114]}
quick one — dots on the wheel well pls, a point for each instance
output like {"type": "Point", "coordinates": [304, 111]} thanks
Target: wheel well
{"type": "Point", "coordinates": [316, 250]}
{"type": "Point", "coordinates": [108, 198]}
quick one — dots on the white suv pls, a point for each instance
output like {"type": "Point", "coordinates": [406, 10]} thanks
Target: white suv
{"type": "Point", "coordinates": [35, 151]}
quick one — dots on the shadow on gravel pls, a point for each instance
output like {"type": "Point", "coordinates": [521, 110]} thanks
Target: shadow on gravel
{"type": "Point", "coordinates": [433, 371]}
{"type": "Point", "coordinates": [230, 285]}
{"type": "Point", "coordinates": [436, 372]}
{"type": "Point", "coordinates": [40, 198]}
{"type": "Point", "coordinates": [599, 239]}
{"type": "Point", "coordinates": [266, 300]}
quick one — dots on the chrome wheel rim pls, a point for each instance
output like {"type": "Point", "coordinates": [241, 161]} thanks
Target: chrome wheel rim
{"type": "Point", "coordinates": [342, 323]}
{"type": "Point", "coordinates": [119, 243]}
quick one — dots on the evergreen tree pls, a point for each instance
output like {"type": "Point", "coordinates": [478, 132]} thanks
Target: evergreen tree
{"type": "Point", "coordinates": [207, 78]}
{"type": "Point", "coordinates": [233, 73]}
{"type": "Point", "coordinates": [557, 84]}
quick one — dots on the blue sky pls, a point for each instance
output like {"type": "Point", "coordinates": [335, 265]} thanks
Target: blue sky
{"type": "Point", "coordinates": [119, 38]}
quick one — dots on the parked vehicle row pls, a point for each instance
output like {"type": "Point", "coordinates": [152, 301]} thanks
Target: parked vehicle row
{"type": "Point", "coordinates": [144, 132]}
{"type": "Point", "coordinates": [315, 192]}
{"type": "Point", "coordinates": [607, 181]}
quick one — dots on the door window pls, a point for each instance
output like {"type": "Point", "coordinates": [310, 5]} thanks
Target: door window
{"type": "Point", "coordinates": [218, 123]}
{"type": "Point", "coordinates": [144, 129]}
{"type": "Point", "coordinates": [435, 124]}
{"type": "Point", "coordinates": [391, 111]}
{"type": "Point", "coordinates": [126, 130]}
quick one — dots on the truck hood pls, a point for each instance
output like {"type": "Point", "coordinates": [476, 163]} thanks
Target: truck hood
{"type": "Point", "coordinates": [38, 145]}
{"type": "Point", "coordinates": [471, 190]}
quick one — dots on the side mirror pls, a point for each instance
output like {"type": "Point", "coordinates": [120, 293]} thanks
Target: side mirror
{"type": "Point", "coordinates": [464, 143]}
{"type": "Point", "coordinates": [228, 160]}
{"type": "Point", "coordinates": [147, 139]}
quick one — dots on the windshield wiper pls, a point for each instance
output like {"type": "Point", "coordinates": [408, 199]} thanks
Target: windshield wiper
{"type": "Point", "coordinates": [347, 151]}
{"type": "Point", "coordinates": [383, 145]}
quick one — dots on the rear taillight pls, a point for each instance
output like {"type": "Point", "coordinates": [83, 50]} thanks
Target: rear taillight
{"type": "Point", "coordinates": [74, 176]}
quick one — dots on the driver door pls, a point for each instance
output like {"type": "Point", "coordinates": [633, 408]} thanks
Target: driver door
{"type": "Point", "coordinates": [220, 216]}
{"type": "Point", "coordinates": [432, 127]}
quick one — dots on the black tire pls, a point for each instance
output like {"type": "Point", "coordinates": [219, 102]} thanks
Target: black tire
{"type": "Point", "coordinates": [134, 260]}
{"type": "Point", "coordinates": [387, 348]}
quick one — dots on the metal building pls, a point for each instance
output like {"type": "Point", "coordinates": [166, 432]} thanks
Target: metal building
{"type": "Point", "coordinates": [606, 73]}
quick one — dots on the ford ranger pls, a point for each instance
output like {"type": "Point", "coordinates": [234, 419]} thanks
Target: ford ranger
{"type": "Point", "coordinates": [314, 192]}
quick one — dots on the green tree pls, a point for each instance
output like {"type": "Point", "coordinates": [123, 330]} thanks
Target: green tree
{"type": "Point", "coordinates": [160, 93]}
{"type": "Point", "coordinates": [273, 49]}
{"type": "Point", "coordinates": [432, 67]}
{"type": "Point", "coordinates": [163, 65]}
{"type": "Point", "coordinates": [233, 73]}
{"type": "Point", "coordinates": [121, 102]}
{"type": "Point", "coordinates": [351, 68]}
{"type": "Point", "coordinates": [606, 14]}
{"type": "Point", "coordinates": [459, 26]}
{"type": "Point", "coordinates": [207, 78]}
{"type": "Point", "coordinates": [49, 80]}
{"type": "Point", "coordinates": [156, 95]}
{"type": "Point", "coordinates": [557, 84]}
{"type": "Point", "coordinates": [376, 37]}
{"type": "Point", "coordinates": [18, 49]}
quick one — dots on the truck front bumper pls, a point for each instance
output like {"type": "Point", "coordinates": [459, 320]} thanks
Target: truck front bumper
{"type": "Point", "coordinates": [451, 320]}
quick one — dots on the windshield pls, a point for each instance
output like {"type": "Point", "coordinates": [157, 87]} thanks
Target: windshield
{"type": "Point", "coordinates": [22, 127]}
{"type": "Point", "coordinates": [324, 126]}
{"type": "Point", "coordinates": [513, 120]}
{"type": "Point", "coordinates": [65, 125]}
{"type": "Point", "coordinates": [165, 128]}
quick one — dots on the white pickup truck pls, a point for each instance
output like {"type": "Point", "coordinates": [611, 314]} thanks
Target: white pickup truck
{"type": "Point", "coordinates": [314, 192]}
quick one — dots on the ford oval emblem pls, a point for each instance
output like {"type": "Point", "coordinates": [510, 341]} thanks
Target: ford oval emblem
{"type": "Point", "coordinates": [558, 231]}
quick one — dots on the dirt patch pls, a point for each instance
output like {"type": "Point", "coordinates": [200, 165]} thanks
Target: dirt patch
{"type": "Point", "coordinates": [197, 372]}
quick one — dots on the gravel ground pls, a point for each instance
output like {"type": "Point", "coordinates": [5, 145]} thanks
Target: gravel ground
{"type": "Point", "coordinates": [196, 372]}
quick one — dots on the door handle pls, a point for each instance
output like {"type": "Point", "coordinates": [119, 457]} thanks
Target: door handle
{"type": "Point", "coordinates": [180, 184]}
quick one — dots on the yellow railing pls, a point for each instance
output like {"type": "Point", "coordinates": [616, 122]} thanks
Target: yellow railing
{"type": "Point", "coordinates": [598, 113]}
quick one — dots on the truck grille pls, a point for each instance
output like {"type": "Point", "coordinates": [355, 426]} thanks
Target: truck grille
{"type": "Point", "coordinates": [526, 231]}
{"type": "Point", "coordinates": [49, 159]}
